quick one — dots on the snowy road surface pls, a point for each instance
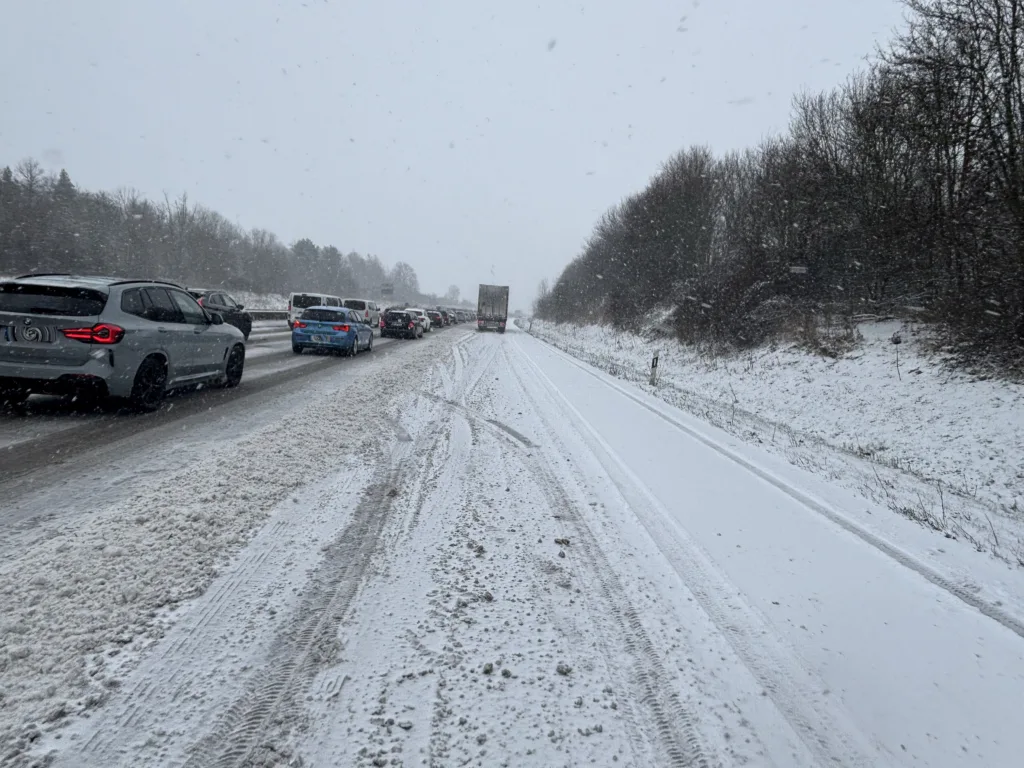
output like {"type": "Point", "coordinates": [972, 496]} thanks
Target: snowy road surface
{"type": "Point", "coordinates": [494, 555]}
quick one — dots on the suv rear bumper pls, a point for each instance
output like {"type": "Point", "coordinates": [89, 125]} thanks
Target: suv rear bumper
{"type": "Point", "coordinates": [98, 373]}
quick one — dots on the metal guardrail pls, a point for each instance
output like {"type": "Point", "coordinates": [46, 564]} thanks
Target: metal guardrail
{"type": "Point", "coordinates": [268, 314]}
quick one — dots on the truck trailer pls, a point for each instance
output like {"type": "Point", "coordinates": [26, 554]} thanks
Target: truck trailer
{"type": "Point", "coordinates": [492, 308]}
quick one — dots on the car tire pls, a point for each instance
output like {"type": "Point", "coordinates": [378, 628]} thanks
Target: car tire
{"type": "Point", "coordinates": [150, 385]}
{"type": "Point", "coordinates": [296, 349]}
{"type": "Point", "coordinates": [369, 347]}
{"type": "Point", "coordinates": [235, 367]}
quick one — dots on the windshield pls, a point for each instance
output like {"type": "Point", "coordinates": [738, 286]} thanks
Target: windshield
{"type": "Point", "coordinates": [30, 299]}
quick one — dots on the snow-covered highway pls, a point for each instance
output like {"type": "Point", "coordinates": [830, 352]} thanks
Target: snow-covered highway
{"type": "Point", "coordinates": [476, 550]}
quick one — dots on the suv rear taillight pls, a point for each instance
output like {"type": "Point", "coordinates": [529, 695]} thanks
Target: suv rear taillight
{"type": "Point", "coordinates": [299, 325]}
{"type": "Point", "coordinates": [412, 325]}
{"type": "Point", "coordinates": [101, 333]}
{"type": "Point", "coordinates": [344, 328]}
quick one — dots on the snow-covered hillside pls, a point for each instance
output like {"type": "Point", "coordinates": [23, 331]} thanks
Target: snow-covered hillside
{"type": "Point", "coordinates": [933, 444]}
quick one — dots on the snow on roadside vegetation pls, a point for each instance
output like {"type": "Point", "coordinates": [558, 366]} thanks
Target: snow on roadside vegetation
{"type": "Point", "coordinates": [260, 300]}
{"type": "Point", "coordinates": [103, 585]}
{"type": "Point", "coordinates": [932, 444]}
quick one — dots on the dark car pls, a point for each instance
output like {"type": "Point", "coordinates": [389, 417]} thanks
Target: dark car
{"type": "Point", "coordinates": [436, 319]}
{"type": "Point", "coordinates": [224, 305]}
{"type": "Point", "coordinates": [445, 317]}
{"type": "Point", "coordinates": [402, 324]}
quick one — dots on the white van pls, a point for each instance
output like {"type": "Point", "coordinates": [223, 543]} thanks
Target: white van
{"type": "Point", "coordinates": [300, 302]}
{"type": "Point", "coordinates": [368, 309]}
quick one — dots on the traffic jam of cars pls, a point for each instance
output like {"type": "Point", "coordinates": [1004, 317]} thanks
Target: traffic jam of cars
{"type": "Point", "coordinates": [92, 339]}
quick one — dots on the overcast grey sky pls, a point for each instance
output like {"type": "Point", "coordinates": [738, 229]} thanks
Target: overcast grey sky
{"type": "Point", "coordinates": [478, 141]}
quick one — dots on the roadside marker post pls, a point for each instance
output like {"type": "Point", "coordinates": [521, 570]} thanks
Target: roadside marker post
{"type": "Point", "coordinates": [654, 368]}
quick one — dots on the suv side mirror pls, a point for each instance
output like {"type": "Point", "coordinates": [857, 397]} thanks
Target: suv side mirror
{"type": "Point", "coordinates": [216, 318]}
{"type": "Point", "coordinates": [240, 306]}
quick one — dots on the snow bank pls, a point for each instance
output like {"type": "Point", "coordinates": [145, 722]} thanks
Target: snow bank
{"type": "Point", "coordinates": [935, 445]}
{"type": "Point", "coordinates": [105, 585]}
{"type": "Point", "coordinates": [260, 300]}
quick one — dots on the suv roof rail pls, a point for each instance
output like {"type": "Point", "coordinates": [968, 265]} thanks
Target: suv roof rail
{"type": "Point", "coordinates": [150, 280]}
{"type": "Point", "coordinates": [43, 274]}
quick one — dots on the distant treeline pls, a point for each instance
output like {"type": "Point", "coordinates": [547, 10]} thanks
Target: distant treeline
{"type": "Point", "coordinates": [47, 224]}
{"type": "Point", "coordinates": [901, 191]}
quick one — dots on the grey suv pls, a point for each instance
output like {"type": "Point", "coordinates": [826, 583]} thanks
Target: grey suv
{"type": "Point", "coordinates": [99, 336]}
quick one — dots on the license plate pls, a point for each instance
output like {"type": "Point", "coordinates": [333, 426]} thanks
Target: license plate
{"type": "Point", "coordinates": [29, 334]}
{"type": "Point", "coordinates": [320, 339]}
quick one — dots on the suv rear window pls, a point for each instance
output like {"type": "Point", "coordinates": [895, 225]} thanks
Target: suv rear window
{"type": "Point", "coordinates": [70, 301]}
{"type": "Point", "coordinates": [325, 316]}
{"type": "Point", "coordinates": [355, 304]}
{"type": "Point", "coordinates": [302, 301]}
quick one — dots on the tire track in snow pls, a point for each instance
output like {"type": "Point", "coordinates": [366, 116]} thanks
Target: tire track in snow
{"type": "Point", "coordinates": [676, 727]}
{"type": "Point", "coordinates": [313, 643]}
{"type": "Point", "coordinates": [825, 729]}
{"type": "Point", "coordinates": [455, 387]}
{"type": "Point", "coordinates": [480, 367]}
{"type": "Point", "coordinates": [269, 709]}
{"type": "Point", "coordinates": [902, 557]}
{"type": "Point", "coordinates": [663, 706]}
{"type": "Point", "coordinates": [176, 661]}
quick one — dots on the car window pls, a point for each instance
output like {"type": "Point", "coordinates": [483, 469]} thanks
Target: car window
{"type": "Point", "coordinates": [228, 301]}
{"type": "Point", "coordinates": [132, 303]}
{"type": "Point", "coordinates": [331, 302]}
{"type": "Point", "coordinates": [305, 300]}
{"type": "Point", "coordinates": [355, 304]}
{"type": "Point", "coordinates": [190, 310]}
{"type": "Point", "coordinates": [161, 307]}
{"type": "Point", "coordinates": [216, 299]}
{"type": "Point", "coordinates": [70, 301]}
{"type": "Point", "coordinates": [324, 316]}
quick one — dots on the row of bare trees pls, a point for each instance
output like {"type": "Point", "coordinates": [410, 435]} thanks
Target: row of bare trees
{"type": "Point", "coordinates": [902, 190]}
{"type": "Point", "coordinates": [47, 224]}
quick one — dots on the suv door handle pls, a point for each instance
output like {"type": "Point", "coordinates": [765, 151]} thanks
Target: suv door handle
{"type": "Point", "coordinates": [164, 330]}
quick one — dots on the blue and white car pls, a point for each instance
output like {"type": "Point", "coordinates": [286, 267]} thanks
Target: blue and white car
{"type": "Point", "coordinates": [334, 329]}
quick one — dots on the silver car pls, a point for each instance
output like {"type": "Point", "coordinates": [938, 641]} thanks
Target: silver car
{"type": "Point", "coordinates": [99, 336]}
